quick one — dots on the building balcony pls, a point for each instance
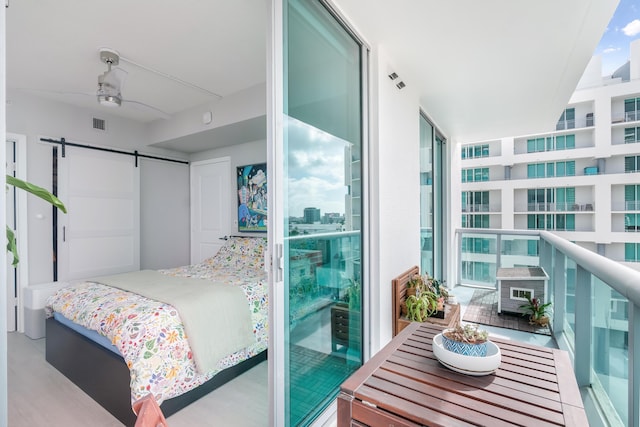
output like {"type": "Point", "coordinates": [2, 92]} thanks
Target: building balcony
{"type": "Point", "coordinates": [595, 310]}
{"type": "Point", "coordinates": [481, 208]}
{"type": "Point", "coordinates": [554, 207]}
{"type": "Point", "coordinates": [627, 117]}
{"type": "Point", "coordinates": [587, 121]}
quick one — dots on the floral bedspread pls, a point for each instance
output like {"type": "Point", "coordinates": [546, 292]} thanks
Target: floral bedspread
{"type": "Point", "coordinates": [150, 335]}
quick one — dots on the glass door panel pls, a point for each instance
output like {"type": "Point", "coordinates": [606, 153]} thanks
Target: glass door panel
{"type": "Point", "coordinates": [426, 197]}
{"type": "Point", "coordinates": [322, 208]}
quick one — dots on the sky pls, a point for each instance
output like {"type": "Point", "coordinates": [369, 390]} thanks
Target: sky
{"type": "Point", "coordinates": [623, 28]}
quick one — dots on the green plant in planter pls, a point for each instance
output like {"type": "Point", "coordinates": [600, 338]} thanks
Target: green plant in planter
{"type": "Point", "coordinates": [36, 191]}
{"type": "Point", "coordinates": [470, 334]}
{"type": "Point", "coordinates": [419, 308]}
{"type": "Point", "coordinates": [537, 311]}
{"type": "Point", "coordinates": [354, 294]}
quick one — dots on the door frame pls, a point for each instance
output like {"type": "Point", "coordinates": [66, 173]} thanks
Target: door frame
{"type": "Point", "coordinates": [21, 223]}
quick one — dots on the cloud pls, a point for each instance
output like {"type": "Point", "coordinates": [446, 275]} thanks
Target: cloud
{"type": "Point", "coordinates": [632, 28]}
{"type": "Point", "coordinates": [611, 50]}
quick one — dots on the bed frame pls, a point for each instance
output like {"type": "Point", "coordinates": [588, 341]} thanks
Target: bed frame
{"type": "Point", "coordinates": [104, 375]}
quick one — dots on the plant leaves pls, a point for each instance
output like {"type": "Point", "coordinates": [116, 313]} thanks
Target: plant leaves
{"type": "Point", "coordinates": [11, 246]}
{"type": "Point", "coordinates": [36, 191]}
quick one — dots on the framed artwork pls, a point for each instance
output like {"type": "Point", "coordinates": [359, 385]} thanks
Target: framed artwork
{"type": "Point", "coordinates": [252, 197]}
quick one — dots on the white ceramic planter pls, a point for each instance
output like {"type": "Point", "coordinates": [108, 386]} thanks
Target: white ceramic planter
{"type": "Point", "coordinates": [470, 365]}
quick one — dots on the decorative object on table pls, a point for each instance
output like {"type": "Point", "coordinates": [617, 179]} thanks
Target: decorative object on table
{"type": "Point", "coordinates": [537, 311]}
{"type": "Point", "coordinates": [468, 340]}
{"type": "Point", "coordinates": [469, 365]}
{"type": "Point", "coordinates": [424, 298]}
{"type": "Point", "coordinates": [252, 197]}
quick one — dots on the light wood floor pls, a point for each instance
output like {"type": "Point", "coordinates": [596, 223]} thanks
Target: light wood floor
{"type": "Point", "coordinates": [40, 396]}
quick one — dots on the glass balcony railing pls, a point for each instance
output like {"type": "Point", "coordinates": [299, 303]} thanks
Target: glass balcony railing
{"type": "Point", "coordinates": [596, 309]}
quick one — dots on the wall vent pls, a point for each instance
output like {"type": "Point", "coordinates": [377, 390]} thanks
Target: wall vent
{"type": "Point", "coordinates": [99, 124]}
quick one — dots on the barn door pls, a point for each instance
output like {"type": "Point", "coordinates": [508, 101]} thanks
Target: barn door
{"type": "Point", "coordinates": [100, 234]}
{"type": "Point", "coordinates": [210, 211]}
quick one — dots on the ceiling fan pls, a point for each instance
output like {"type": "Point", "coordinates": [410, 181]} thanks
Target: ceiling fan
{"type": "Point", "coordinates": [109, 92]}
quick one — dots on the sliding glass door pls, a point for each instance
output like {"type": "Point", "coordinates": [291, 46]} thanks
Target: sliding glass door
{"type": "Point", "coordinates": [432, 200]}
{"type": "Point", "coordinates": [322, 251]}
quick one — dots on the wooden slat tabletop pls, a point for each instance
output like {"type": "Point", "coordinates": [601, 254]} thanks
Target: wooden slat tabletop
{"type": "Point", "coordinates": [404, 384]}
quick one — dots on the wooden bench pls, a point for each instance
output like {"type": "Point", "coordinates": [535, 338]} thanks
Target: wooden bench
{"type": "Point", "coordinates": [399, 295]}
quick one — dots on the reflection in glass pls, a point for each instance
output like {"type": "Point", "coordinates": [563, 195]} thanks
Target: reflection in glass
{"type": "Point", "coordinates": [610, 337]}
{"type": "Point", "coordinates": [323, 208]}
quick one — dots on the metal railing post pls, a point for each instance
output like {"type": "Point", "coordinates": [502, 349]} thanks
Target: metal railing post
{"type": "Point", "coordinates": [559, 291]}
{"type": "Point", "coordinates": [545, 252]}
{"type": "Point", "coordinates": [459, 264]}
{"type": "Point", "coordinates": [498, 253]}
{"type": "Point", "coordinates": [583, 322]}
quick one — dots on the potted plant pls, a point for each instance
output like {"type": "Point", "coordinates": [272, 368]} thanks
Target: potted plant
{"type": "Point", "coordinates": [468, 340]}
{"type": "Point", "coordinates": [414, 285]}
{"type": "Point", "coordinates": [537, 311]}
{"type": "Point", "coordinates": [419, 308]}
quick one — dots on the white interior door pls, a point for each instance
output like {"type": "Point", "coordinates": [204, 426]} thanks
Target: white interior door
{"type": "Point", "coordinates": [100, 234]}
{"type": "Point", "coordinates": [210, 211]}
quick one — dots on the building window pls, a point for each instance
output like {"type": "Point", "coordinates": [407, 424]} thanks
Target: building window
{"type": "Point", "coordinates": [475, 151]}
{"type": "Point", "coordinates": [631, 197]}
{"type": "Point", "coordinates": [631, 135]}
{"type": "Point", "coordinates": [632, 222]}
{"type": "Point", "coordinates": [475, 175]}
{"type": "Point", "coordinates": [551, 199]}
{"type": "Point", "coordinates": [548, 170]}
{"type": "Point", "coordinates": [478, 271]}
{"type": "Point", "coordinates": [475, 201]}
{"type": "Point", "coordinates": [631, 109]}
{"type": "Point", "coordinates": [567, 119]}
{"type": "Point", "coordinates": [477, 245]}
{"type": "Point", "coordinates": [632, 252]}
{"type": "Point", "coordinates": [550, 143]}
{"type": "Point", "coordinates": [632, 164]}
{"type": "Point", "coordinates": [475, 221]}
{"type": "Point", "coordinates": [561, 222]}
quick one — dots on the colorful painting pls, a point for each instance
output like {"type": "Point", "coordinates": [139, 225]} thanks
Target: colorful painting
{"type": "Point", "coordinates": [252, 197]}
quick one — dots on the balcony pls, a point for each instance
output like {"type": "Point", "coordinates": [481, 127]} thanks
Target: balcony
{"type": "Point", "coordinates": [554, 207]}
{"type": "Point", "coordinates": [596, 311]}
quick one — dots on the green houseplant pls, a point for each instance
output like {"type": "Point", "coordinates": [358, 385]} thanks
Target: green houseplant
{"type": "Point", "coordinates": [36, 191]}
{"type": "Point", "coordinates": [537, 311]}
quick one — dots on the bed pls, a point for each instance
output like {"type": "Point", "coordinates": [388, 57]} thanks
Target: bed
{"type": "Point", "coordinates": [118, 344]}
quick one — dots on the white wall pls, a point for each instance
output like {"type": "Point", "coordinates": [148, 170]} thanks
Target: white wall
{"type": "Point", "coordinates": [36, 118]}
{"type": "Point", "coordinates": [234, 108]}
{"type": "Point", "coordinates": [394, 191]}
{"type": "Point", "coordinates": [241, 154]}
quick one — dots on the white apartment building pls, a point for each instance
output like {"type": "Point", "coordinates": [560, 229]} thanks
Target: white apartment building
{"type": "Point", "coordinates": [580, 178]}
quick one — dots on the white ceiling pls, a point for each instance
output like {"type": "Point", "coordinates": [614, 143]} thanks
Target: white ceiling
{"type": "Point", "coordinates": [482, 69]}
{"type": "Point", "coordinates": [218, 45]}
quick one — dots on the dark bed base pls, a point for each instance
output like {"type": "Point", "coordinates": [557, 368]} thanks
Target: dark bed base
{"type": "Point", "coordinates": [104, 375]}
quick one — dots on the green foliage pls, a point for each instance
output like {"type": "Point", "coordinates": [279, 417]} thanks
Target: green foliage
{"type": "Point", "coordinates": [467, 333]}
{"type": "Point", "coordinates": [535, 309]}
{"type": "Point", "coordinates": [419, 308]}
{"type": "Point", "coordinates": [36, 191]}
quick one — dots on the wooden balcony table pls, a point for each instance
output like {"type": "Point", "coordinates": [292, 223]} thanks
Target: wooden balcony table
{"type": "Point", "coordinates": [405, 385]}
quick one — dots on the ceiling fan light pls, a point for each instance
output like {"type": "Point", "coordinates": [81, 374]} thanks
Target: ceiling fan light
{"type": "Point", "coordinates": [109, 100]}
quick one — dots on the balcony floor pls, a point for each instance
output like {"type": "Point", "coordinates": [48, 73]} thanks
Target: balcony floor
{"type": "Point", "coordinates": [463, 296]}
